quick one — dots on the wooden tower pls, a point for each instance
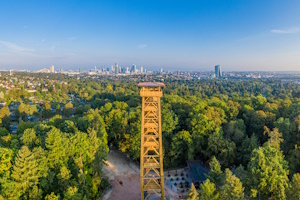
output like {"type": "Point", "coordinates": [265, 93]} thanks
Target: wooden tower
{"type": "Point", "coordinates": [151, 169]}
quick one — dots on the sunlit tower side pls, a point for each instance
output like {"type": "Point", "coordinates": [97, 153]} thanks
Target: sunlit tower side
{"type": "Point", "coordinates": [151, 161]}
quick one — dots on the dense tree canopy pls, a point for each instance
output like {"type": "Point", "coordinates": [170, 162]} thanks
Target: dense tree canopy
{"type": "Point", "coordinates": [65, 134]}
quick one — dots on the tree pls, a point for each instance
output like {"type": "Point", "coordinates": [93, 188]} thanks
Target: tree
{"type": "Point", "coordinates": [269, 172]}
{"type": "Point", "coordinates": [169, 120]}
{"type": "Point", "coordinates": [235, 130]}
{"type": "Point", "coordinates": [232, 188]}
{"type": "Point", "coordinates": [193, 194]}
{"type": "Point", "coordinates": [246, 148]}
{"type": "Point", "coordinates": [35, 193]}
{"type": "Point", "coordinates": [131, 142]}
{"type": "Point", "coordinates": [72, 194]}
{"type": "Point", "coordinates": [208, 191]}
{"type": "Point", "coordinates": [42, 161]}
{"type": "Point", "coordinates": [275, 137]}
{"type": "Point", "coordinates": [29, 138]}
{"type": "Point", "coordinates": [259, 101]}
{"type": "Point", "coordinates": [206, 119]}
{"type": "Point", "coordinates": [5, 137]}
{"type": "Point", "coordinates": [68, 126]}
{"type": "Point", "coordinates": [4, 117]}
{"type": "Point", "coordinates": [244, 177]}
{"type": "Point", "coordinates": [25, 170]}
{"type": "Point", "coordinates": [57, 145]}
{"type": "Point", "coordinates": [52, 196]}
{"type": "Point", "coordinates": [47, 110]}
{"type": "Point", "coordinates": [294, 188]}
{"type": "Point", "coordinates": [24, 110]}
{"type": "Point", "coordinates": [6, 155]}
{"type": "Point", "coordinates": [294, 159]}
{"type": "Point", "coordinates": [215, 173]}
{"type": "Point", "coordinates": [68, 109]}
{"type": "Point", "coordinates": [284, 126]}
{"type": "Point", "coordinates": [80, 147]}
{"type": "Point", "coordinates": [224, 149]}
{"type": "Point", "coordinates": [116, 122]}
{"type": "Point", "coordinates": [182, 147]}
{"type": "Point", "coordinates": [64, 178]}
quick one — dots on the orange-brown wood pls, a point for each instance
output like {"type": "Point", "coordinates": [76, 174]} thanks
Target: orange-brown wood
{"type": "Point", "coordinates": [151, 166]}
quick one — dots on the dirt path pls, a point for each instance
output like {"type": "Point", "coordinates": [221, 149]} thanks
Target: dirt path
{"type": "Point", "coordinates": [124, 177]}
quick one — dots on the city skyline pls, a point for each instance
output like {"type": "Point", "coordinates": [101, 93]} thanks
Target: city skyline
{"type": "Point", "coordinates": [176, 35]}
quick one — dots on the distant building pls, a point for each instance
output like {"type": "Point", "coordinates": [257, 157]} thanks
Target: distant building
{"type": "Point", "coordinates": [52, 69]}
{"type": "Point", "coordinates": [161, 70]}
{"type": "Point", "coordinates": [133, 69]}
{"type": "Point", "coordinates": [218, 71]}
{"type": "Point", "coordinates": [112, 69]}
{"type": "Point", "coordinates": [116, 68]}
{"type": "Point", "coordinates": [142, 70]}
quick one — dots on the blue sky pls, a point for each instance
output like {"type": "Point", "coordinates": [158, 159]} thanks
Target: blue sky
{"type": "Point", "coordinates": [194, 35]}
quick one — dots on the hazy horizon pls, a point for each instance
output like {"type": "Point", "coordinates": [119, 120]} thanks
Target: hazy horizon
{"type": "Point", "coordinates": [239, 35]}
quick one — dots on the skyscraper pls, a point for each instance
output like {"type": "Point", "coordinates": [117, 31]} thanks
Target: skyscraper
{"type": "Point", "coordinates": [142, 69]}
{"type": "Point", "coordinates": [52, 69]}
{"type": "Point", "coordinates": [133, 69]}
{"type": "Point", "coordinates": [218, 71]}
{"type": "Point", "coordinates": [116, 68]}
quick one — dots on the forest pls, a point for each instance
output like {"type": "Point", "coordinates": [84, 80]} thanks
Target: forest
{"type": "Point", "coordinates": [246, 131]}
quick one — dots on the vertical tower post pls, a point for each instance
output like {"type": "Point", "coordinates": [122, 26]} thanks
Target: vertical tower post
{"type": "Point", "coordinates": [151, 163]}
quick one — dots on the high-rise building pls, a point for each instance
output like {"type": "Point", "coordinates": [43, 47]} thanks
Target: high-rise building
{"type": "Point", "coordinates": [133, 69]}
{"type": "Point", "coordinates": [52, 69]}
{"type": "Point", "coordinates": [116, 68]}
{"type": "Point", "coordinates": [142, 69]}
{"type": "Point", "coordinates": [218, 71]}
{"type": "Point", "coordinates": [112, 69]}
{"type": "Point", "coordinates": [161, 70]}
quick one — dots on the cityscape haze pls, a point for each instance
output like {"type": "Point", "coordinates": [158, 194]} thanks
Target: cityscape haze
{"type": "Point", "coordinates": [175, 35]}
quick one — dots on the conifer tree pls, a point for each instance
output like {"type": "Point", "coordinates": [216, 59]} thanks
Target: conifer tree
{"type": "Point", "coordinates": [269, 172]}
{"type": "Point", "coordinates": [232, 188]}
{"type": "Point", "coordinates": [29, 138]}
{"type": "Point", "coordinates": [294, 188]}
{"type": "Point", "coordinates": [215, 171]}
{"type": "Point", "coordinates": [5, 161]}
{"type": "Point", "coordinates": [25, 170]}
{"type": "Point", "coordinates": [193, 194]}
{"type": "Point", "coordinates": [208, 191]}
{"type": "Point", "coordinates": [57, 145]}
{"type": "Point", "coordinates": [41, 158]}
{"type": "Point", "coordinates": [94, 141]}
